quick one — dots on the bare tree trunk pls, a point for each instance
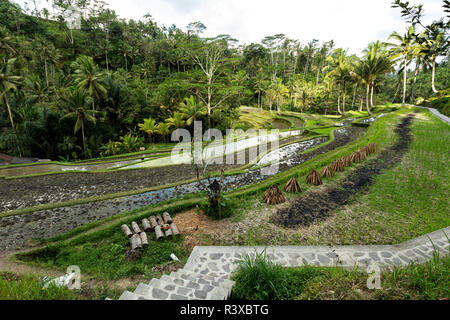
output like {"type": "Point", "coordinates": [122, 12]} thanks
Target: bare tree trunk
{"type": "Point", "coordinates": [84, 139]}
{"type": "Point", "coordinates": [339, 103]}
{"type": "Point", "coordinates": [367, 98]}
{"type": "Point", "coordinates": [433, 75]}
{"type": "Point", "coordinates": [354, 95]}
{"type": "Point", "coordinates": [371, 94]}
{"type": "Point", "coordinates": [9, 110]}
{"type": "Point", "coordinates": [46, 71]}
{"type": "Point", "coordinates": [411, 98]}
{"type": "Point", "coordinates": [343, 100]}
{"type": "Point", "coordinates": [404, 82]}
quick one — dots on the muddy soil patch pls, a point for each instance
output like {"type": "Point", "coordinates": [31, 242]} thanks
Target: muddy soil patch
{"type": "Point", "coordinates": [319, 204]}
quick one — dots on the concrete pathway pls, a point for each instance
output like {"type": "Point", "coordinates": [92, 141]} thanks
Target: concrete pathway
{"type": "Point", "coordinates": [208, 269]}
{"type": "Point", "coordinates": [435, 112]}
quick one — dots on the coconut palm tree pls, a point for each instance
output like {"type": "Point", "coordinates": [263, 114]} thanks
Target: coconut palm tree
{"type": "Point", "coordinates": [376, 62]}
{"type": "Point", "coordinates": [259, 87]}
{"type": "Point", "coordinates": [163, 129]}
{"type": "Point", "coordinates": [34, 88]}
{"type": "Point", "coordinates": [279, 91]}
{"type": "Point", "coordinates": [149, 127]}
{"type": "Point", "coordinates": [8, 82]}
{"type": "Point", "coordinates": [77, 102]}
{"type": "Point", "coordinates": [6, 44]}
{"type": "Point", "coordinates": [404, 47]}
{"type": "Point", "coordinates": [192, 110]}
{"type": "Point", "coordinates": [87, 77]}
{"type": "Point", "coordinates": [421, 62]}
{"type": "Point", "coordinates": [176, 121]}
{"type": "Point", "coordinates": [437, 42]}
{"type": "Point", "coordinates": [47, 53]}
{"type": "Point", "coordinates": [340, 72]}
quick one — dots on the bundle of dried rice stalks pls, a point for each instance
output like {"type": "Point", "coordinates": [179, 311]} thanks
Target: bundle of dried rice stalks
{"type": "Point", "coordinates": [338, 165]}
{"type": "Point", "coordinates": [292, 186]}
{"type": "Point", "coordinates": [355, 157]}
{"type": "Point", "coordinates": [372, 148]}
{"type": "Point", "coordinates": [362, 153]}
{"type": "Point", "coordinates": [327, 172]}
{"type": "Point", "coordinates": [347, 161]}
{"type": "Point", "coordinates": [314, 178]}
{"type": "Point", "coordinates": [273, 195]}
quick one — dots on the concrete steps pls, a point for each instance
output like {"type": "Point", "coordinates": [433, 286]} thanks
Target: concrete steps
{"type": "Point", "coordinates": [182, 285]}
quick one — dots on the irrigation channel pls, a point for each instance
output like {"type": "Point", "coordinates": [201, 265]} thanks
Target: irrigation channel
{"type": "Point", "coordinates": [17, 229]}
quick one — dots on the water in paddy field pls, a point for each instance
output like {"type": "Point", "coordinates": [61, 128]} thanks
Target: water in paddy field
{"type": "Point", "coordinates": [219, 149]}
{"type": "Point", "coordinates": [372, 119]}
{"type": "Point", "coordinates": [52, 167]}
{"type": "Point", "coordinates": [290, 150]}
{"type": "Point", "coordinates": [239, 180]}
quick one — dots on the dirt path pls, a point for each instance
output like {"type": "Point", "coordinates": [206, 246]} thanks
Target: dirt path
{"type": "Point", "coordinates": [322, 203]}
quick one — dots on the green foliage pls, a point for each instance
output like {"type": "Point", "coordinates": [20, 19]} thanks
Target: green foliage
{"type": "Point", "coordinates": [104, 258]}
{"type": "Point", "coordinates": [136, 70]}
{"type": "Point", "coordinates": [227, 207]}
{"type": "Point", "coordinates": [257, 278]}
{"type": "Point", "coordinates": [29, 287]}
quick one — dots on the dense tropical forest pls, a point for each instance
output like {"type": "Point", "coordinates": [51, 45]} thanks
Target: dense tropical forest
{"type": "Point", "coordinates": [116, 86]}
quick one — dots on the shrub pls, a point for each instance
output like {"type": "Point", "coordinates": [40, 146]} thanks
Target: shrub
{"type": "Point", "coordinates": [227, 207]}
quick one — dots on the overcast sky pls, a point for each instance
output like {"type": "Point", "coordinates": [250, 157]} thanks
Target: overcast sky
{"type": "Point", "coordinates": [352, 24]}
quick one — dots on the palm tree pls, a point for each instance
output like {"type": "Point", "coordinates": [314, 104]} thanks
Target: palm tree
{"type": "Point", "coordinates": [295, 89]}
{"type": "Point", "coordinates": [279, 91]}
{"type": "Point", "coordinates": [77, 102]}
{"type": "Point", "coordinates": [36, 92]}
{"type": "Point", "coordinates": [47, 53]}
{"type": "Point", "coordinates": [88, 78]}
{"type": "Point", "coordinates": [437, 42]}
{"type": "Point", "coordinates": [404, 47]}
{"type": "Point", "coordinates": [376, 62]}
{"type": "Point", "coordinates": [8, 82]}
{"type": "Point", "coordinates": [259, 88]}
{"type": "Point", "coordinates": [176, 121]}
{"type": "Point", "coordinates": [149, 127]}
{"type": "Point", "coordinates": [421, 62]}
{"type": "Point", "coordinates": [6, 45]}
{"type": "Point", "coordinates": [105, 47]}
{"type": "Point", "coordinates": [192, 110]}
{"type": "Point", "coordinates": [340, 72]}
{"type": "Point", "coordinates": [163, 129]}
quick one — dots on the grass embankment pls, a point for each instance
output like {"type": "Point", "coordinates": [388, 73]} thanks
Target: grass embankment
{"type": "Point", "coordinates": [405, 201]}
{"type": "Point", "coordinates": [258, 279]}
{"type": "Point", "coordinates": [99, 248]}
{"type": "Point", "coordinates": [29, 287]}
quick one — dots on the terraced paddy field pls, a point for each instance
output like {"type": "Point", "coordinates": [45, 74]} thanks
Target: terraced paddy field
{"type": "Point", "coordinates": [372, 211]}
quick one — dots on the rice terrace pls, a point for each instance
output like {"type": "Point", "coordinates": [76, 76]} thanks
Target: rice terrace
{"type": "Point", "coordinates": [141, 161]}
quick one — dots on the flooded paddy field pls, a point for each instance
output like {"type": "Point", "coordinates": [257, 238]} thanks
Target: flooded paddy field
{"type": "Point", "coordinates": [15, 230]}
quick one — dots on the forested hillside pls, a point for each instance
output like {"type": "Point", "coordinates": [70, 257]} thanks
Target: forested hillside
{"type": "Point", "coordinates": [115, 86]}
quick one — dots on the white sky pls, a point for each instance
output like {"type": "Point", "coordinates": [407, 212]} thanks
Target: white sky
{"type": "Point", "coordinates": [352, 24]}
